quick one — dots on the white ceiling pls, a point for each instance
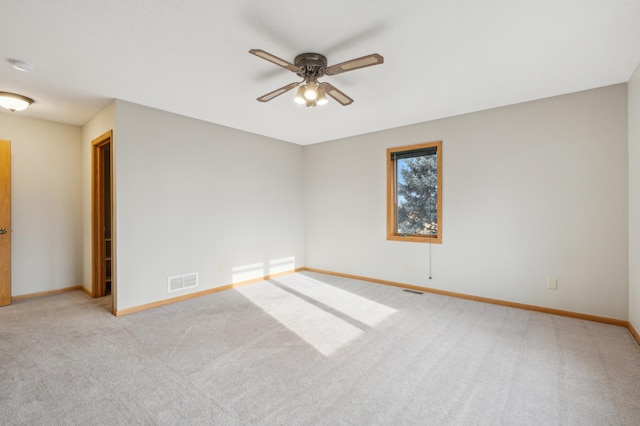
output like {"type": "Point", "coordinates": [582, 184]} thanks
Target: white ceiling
{"type": "Point", "coordinates": [442, 57]}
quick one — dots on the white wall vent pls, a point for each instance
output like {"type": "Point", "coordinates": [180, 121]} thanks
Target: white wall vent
{"type": "Point", "coordinates": [181, 282]}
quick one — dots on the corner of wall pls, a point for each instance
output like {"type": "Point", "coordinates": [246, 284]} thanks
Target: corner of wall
{"type": "Point", "coordinates": [633, 96]}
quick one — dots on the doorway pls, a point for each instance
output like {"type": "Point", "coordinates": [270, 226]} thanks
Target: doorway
{"type": "Point", "coordinates": [5, 223]}
{"type": "Point", "coordinates": [103, 283]}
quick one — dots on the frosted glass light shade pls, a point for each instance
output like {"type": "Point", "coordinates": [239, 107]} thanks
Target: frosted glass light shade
{"type": "Point", "coordinates": [299, 99]}
{"type": "Point", "coordinates": [14, 102]}
{"type": "Point", "coordinates": [322, 98]}
{"type": "Point", "coordinates": [311, 91]}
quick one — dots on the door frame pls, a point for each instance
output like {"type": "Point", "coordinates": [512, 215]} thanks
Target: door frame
{"type": "Point", "coordinates": [98, 220]}
{"type": "Point", "coordinates": [5, 267]}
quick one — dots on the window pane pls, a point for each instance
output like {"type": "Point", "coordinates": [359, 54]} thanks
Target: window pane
{"type": "Point", "coordinates": [417, 195]}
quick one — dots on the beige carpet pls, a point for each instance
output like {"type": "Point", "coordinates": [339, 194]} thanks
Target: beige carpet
{"type": "Point", "coordinates": [309, 349]}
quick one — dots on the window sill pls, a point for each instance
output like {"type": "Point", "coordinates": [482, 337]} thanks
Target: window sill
{"type": "Point", "coordinates": [436, 239]}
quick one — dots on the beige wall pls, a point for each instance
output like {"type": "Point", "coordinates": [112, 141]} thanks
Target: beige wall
{"type": "Point", "coordinates": [634, 200]}
{"type": "Point", "coordinates": [531, 191]}
{"type": "Point", "coordinates": [528, 194]}
{"type": "Point", "coordinates": [45, 204]}
{"type": "Point", "coordinates": [192, 195]}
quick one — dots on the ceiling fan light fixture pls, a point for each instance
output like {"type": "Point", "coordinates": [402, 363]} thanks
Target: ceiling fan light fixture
{"type": "Point", "coordinates": [14, 102]}
{"type": "Point", "coordinates": [299, 99]}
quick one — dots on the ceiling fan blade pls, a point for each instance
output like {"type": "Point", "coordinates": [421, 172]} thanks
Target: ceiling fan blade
{"type": "Point", "coordinates": [354, 64]}
{"type": "Point", "coordinates": [271, 58]}
{"type": "Point", "coordinates": [330, 90]}
{"type": "Point", "coordinates": [277, 92]}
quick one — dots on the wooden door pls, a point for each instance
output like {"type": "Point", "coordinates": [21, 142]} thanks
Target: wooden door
{"type": "Point", "coordinates": [5, 223]}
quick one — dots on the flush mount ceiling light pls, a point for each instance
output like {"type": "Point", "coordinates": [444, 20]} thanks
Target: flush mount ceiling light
{"type": "Point", "coordinates": [14, 102]}
{"type": "Point", "coordinates": [311, 67]}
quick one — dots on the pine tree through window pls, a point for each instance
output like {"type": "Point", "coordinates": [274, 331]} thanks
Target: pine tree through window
{"type": "Point", "coordinates": [414, 193]}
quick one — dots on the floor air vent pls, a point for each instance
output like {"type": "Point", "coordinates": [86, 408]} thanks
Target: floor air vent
{"type": "Point", "coordinates": [412, 291]}
{"type": "Point", "coordinates": [181, 282]}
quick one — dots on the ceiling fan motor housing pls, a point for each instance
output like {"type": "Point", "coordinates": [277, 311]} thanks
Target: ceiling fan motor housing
{"type": "Point", "coordinates": [312, 65]}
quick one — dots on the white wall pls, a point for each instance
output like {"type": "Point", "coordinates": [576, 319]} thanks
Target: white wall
{"type": "Point", "coordinates": [634, 200]}
{"type": "Point", "coordinates": [101, 123]}
{"type": "Point", "coordinates": [531, 191]}
{"type": "Point", "coordinates": [45, 203]}
{"type": "Point", "coordinates": [191, 195]}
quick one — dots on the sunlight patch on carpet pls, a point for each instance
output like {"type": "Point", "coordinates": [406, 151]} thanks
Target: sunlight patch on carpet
{"type": "Point", "coordinates": [357, 307]}
{"type": "Point", "coordinates": [319, 328]}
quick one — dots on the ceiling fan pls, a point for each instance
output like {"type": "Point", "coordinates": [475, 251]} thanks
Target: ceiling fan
{"type": "Point", "coordinates": [311, 67]}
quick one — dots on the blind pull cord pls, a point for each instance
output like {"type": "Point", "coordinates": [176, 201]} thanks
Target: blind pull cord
{"type": "Point", "coordinates": [429, 259]}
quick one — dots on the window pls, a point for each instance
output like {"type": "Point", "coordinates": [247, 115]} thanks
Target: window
{"type": "Point", "coordinates": [414, 193]}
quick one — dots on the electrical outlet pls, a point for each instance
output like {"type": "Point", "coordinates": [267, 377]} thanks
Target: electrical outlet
{"type": "Point", "coordinates": [552, 283]}
{"type": "Point", "coordinates": [221, 267]}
